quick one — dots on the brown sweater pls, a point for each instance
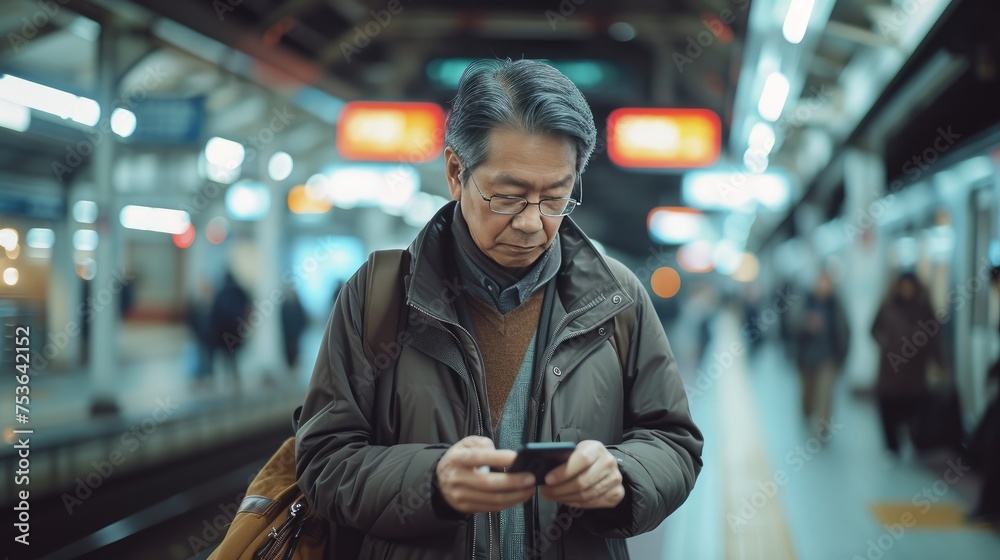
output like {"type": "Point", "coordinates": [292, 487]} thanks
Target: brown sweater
{"type": "Point", "coordinates": [504, 340]}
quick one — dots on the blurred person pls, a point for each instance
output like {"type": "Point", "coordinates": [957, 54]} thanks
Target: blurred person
{"type": "Point", "coordinates": [902, 387]}
{"type": "Point", "coordinates": [821, 347]}
{"type": "Point", "coordinates": [984, 448]}
{"type": "Point", "coordinates": [293, 323]}
{"type": "Point", "coordinates": [230, 309]}
{"type": "Point", "coordinates": [750, 304]}
{"type": "Point", "coordinates": [197, 315]}
{"type": "Point", "coordinates": [510, 309]}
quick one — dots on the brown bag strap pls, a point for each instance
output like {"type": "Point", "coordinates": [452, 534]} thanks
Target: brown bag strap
{"type": "Point", "coordinates": [384, 304]}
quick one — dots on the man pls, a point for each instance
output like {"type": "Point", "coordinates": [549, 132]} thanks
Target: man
{"type": "Point", "coordinates": [508, 340]}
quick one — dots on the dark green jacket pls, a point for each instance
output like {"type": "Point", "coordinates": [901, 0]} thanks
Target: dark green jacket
{"type": "Point", "coordinates": [370, 438]}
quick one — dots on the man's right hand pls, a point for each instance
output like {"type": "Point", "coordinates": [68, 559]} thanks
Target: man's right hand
{"type": "Point", "coordinates": [470, 491]}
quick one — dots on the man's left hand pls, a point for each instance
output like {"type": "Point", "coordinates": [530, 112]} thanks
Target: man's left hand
{"type": "Point", "coordinates": [590, 479]}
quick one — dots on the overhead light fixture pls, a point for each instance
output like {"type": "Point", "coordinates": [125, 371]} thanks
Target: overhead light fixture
{"type": "Point", "coordinates": [756, 162]}
{"type": "Point", "coordinates": [696, 257]}
{"type": "Point", "coordinates": [797, 20]}
{"type": "Point", "coordinates": [676, 225]}
{"type": "Point", "coordinates": [389, 187]}
{"type": "Point", "coordinates": [761, 138]}
{"type": "Point", "coordinates": [719, 190]}
{"type": "Point", "coordinates": [390, 131]}
{"type": "Point", "coordinates": [123, 122]}
{"type": "Point", "coordinates": [40, 238]}
{"type": "Point", "coordinates": [301, 200]}
{"type": "Point", "coordinates": [163, 220]}
{"type": "Point", "coordinates": [14, 116]}
{"type": "Point", "coordinates": [279, 167]}
{"type": "Point", "coordinates": [8, 238]}
{"type": "Point", "coordinates": [224, 159]}
{"type": "Point", "coordinates": [85, 240]}
{"type": "Point", "coordinates": [85, 211]}
{"type": "Point", "coordinates": [773, 96]}
{"type": "Point", "coordinates": [248, 200]}
{"type": "Point", "coordinates": [49, 100]}
{"type": "Point", "coordinates": [664, 138]}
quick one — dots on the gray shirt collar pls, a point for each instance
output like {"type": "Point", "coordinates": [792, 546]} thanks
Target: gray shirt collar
{"type": "Point", "coordinates": [490, 282]}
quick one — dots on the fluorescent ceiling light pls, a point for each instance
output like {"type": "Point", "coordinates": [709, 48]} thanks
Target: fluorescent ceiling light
{"type": "Point", "coordinates": [85, 211]}
{"type": "Point", "coordinates": [761, 138]}
{"type": "Point", "coordinates": [773, 97]}
{"type": "Point", "coordinates": [676, 225]}
{"type": "Point", "coordinates": [123, 122]}
{"type": "Point", "coordinates": [248, 200]}
{"type": "Point", "coordinates": [756, 162]}
{"type": "Point", "coordinates": [85, 240]}
{"type": "Point", "coordinates": [224, 153]}
{"type": "Point", "coordinates": [40, 238]}
{"type": "Point", "coordinates": [14, 116]}
{"type": "Point", "coordinates": [718, 190]}
{"type": "Point", "coordinates": [797, 20]}
{"type": "Point", "coordinates": [279, 167]}
{"type": "Point", "coordinates": [224, 160]}
{"type": "Point", "coordinates": [8, 238]}
{"type": "Point", "coordinates": [49, 100]}
{"type": "Point", "coordinates": [389, 187]}
{"type": "Point", "coordinates": [161, 220]}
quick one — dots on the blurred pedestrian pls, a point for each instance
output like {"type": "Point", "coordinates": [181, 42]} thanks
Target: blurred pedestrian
{"type": "Point", "coordinates": [984, 449]}
{"type": "Point", "coordinates": [907, 350]}
{"type": "Point", "coordinates": [293, 323]}
{"type": "Point", "coordinates": [197, 316]}
{"type": "Point", "coordinates": [229, 312]}
{"type": "Point", "coordinates": [821, 347]}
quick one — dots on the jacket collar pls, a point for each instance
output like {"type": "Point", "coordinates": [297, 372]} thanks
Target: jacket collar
{"type": "Point", "coordinates": [584, 279]}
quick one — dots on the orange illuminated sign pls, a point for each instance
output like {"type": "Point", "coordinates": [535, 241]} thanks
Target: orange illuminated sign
{"type": "Point", "coordinates": [390, 131]}
{"type": "Point", "coordinates": [664, 138]}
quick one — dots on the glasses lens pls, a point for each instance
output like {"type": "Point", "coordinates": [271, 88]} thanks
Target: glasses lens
{"type": "Point", "coordinates": [507, 205]}
{"type": "Point", "coordinates": [557, 207]}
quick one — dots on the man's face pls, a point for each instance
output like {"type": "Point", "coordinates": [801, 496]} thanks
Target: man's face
{"type": "Point", "coordinates": [532, 166]}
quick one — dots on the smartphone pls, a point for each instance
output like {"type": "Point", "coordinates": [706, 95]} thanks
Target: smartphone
{"type": "Point", "coordinates": [539, 458]}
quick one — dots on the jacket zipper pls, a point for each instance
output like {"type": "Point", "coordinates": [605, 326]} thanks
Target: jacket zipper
{"type": "Point", "coordinates": [552, 350]}
{"type": "Point", "coordinates": [280, 535]}
{"type": "Point", "coordinates": [479, 410]}
{"type": "Point", "coordinates": [541, 375]}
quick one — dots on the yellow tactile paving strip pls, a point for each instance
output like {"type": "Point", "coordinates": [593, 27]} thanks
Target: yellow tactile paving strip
{"type": "Point", "coordinates": [948, 517]}
{"type": "Point", "coordinates": [755, 523]}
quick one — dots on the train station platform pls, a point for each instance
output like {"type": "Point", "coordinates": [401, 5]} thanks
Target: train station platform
{"type": "Point", "coordinates": [770, 489]}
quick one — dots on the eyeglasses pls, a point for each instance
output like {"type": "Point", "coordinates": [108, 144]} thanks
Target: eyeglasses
{"type": "Point", "coordinates": [510, 205]}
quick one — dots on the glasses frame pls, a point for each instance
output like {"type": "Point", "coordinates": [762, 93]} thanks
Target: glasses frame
{"type": "Point", "coordinates": [489, 203]}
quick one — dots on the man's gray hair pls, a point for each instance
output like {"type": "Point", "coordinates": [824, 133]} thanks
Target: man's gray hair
{"type": "Point", "coordinates": [524, 95]}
